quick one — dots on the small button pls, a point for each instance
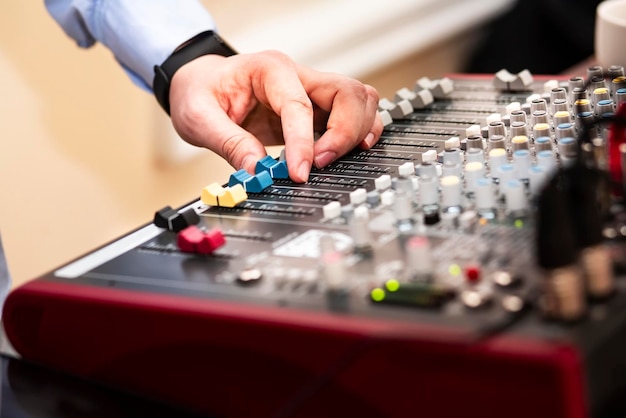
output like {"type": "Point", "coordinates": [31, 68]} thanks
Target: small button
{"type": "Point", "coordinates": [210, 194]}
{"type": "Point", "coordinates": [213, 240]}
{"type": "Point", "coordinates": [163, 217]}
{"type": "Point", "coordinates": [250, 183]}
{"type": "Point", "coordinates": [472, 274]}
{"type": "Point", "coordinates": [249, 276]}
{"type": "Point", "coordinates": [475, 299]}
{"type": "Point", "coordinates": [184, 219]}
{"type": "Point", "coordinates": [189, 238]}
{"type": "Point", "coordinates": [505, 279]}
{"type": "Point", "coordinates": [233, 196]}
{"type": "Point", "coordinates": [513, 303]}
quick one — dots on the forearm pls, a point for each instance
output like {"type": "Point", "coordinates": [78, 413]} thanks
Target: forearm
{"type": "Point", "coordinates": [140, 33]}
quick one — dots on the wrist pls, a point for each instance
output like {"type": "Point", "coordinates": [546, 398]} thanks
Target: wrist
{"type": "Point", "coordinates": [205, 43]}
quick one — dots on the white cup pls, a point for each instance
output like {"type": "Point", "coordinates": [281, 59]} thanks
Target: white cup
{"type": "Point", "coordinates": [610, 36]}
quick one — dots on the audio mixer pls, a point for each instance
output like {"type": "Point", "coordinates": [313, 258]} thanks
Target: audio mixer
{"type": "Point", "coordinates": [471, 263]}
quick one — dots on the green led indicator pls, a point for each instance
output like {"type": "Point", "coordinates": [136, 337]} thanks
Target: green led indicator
{"type": "Point", "coordinates": [454, 269]}
{"type": "Point", "coordinates": [392, 285]}
{"type": "Point", "coordinates": [377, 294]}
{"type": "Point", "coordinates": [519, 224]}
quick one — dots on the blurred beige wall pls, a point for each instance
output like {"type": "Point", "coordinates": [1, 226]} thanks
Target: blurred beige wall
{"type": "Point", "coordinates": [77, 161]}
{"type": "Point", "coordinates": [433, 61]}
{"type": "Point", "coordinates": [77, 164]}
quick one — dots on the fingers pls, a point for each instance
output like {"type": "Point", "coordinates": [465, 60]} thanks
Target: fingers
{"type": "Point", "coordinates": [212, 96]}
{"type": "Point", "coordinates": [219, 134]}
{"type": "Point", "coordinates": [281, 88]}
{"type": "Point", "coordinates": [297, 123]}
{"type": "Point", "coordinates": [373, 135]}
{"type": "Point", "coordinates": [353, 118]}
{"type": "Point", "coordinates": [202, 120]}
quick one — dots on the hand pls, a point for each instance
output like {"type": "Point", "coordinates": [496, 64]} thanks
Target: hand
{"type": "Point", "coordinates": [237, 105]}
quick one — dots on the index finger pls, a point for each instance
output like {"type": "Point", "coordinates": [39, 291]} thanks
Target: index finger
{"type": "Point", "coordinates": [280, 87]}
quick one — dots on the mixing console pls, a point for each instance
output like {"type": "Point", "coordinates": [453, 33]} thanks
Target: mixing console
{"type": "Point", "coordinates": [469, 263]}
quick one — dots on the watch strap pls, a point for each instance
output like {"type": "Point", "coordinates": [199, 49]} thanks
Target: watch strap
{"type": "Point", "coordinates": [204, 43]}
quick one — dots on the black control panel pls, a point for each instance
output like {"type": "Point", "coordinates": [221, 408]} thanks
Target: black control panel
{"type": "Point", "coordinates": [491, 205]}
{"type": "Point", "coordinates": [439, 219]}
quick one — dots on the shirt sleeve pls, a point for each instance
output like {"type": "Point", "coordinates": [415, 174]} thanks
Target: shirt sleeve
{"type": "Point", "coordinates": [140, 33]}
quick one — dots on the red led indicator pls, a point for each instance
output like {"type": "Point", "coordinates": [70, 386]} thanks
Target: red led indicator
{"type": "Point", "coordinates": [472, 273]}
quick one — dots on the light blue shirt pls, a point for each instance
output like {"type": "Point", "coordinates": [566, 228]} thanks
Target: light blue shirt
{"type": "Point", "coordinates": [140, 33]}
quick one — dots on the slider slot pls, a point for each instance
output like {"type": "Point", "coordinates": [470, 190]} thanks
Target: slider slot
{"type": "Point", "coordinates": [327, 183]}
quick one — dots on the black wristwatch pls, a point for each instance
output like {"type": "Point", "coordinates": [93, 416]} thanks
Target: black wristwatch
{"type": "Point", "coordinates": [204, 43]}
